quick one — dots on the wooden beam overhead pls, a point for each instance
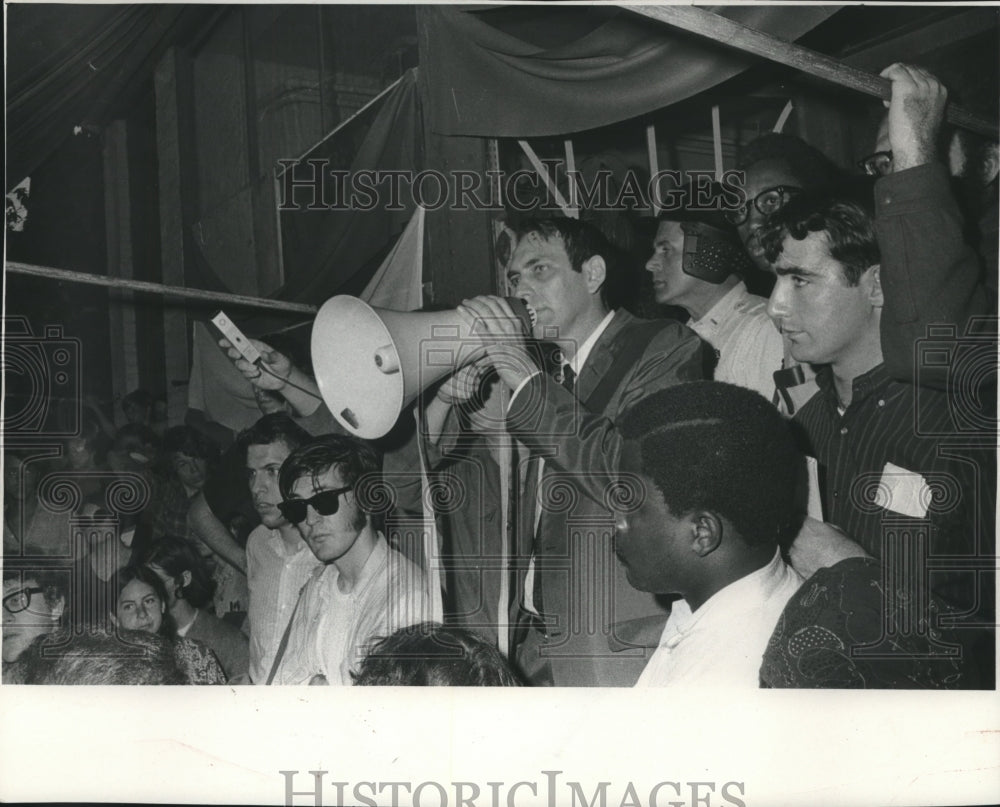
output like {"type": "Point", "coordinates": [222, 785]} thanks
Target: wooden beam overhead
{"type": "Point", "coordinates": [749, 40]}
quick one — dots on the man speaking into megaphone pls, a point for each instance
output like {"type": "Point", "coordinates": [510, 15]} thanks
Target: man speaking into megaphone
{"type": "Point", "coordinates": [576, 620]}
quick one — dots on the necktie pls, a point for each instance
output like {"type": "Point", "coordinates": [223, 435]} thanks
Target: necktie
{"type": "Point", "coordinates": [567, 378]}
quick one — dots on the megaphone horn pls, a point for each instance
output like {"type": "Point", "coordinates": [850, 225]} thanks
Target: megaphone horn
{"type": "Point", "coordinates": [371, 363]}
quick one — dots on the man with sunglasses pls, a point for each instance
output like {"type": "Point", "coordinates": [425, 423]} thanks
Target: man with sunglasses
{"type": "Point", "coordinates": [365, 589]}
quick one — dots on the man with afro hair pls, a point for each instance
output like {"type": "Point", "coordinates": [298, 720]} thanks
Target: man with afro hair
{"type": "Point", "coordinates": [709, 490]}
{"type": "Point", "coordinates": [775, 167]}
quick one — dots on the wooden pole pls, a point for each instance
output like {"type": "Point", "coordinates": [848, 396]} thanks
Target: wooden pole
{"type": "Point", "coordinates": [717, 141]}
{"type": "Point", "coordinates": [735, 35]}
{"type": "Point", "coordinates": [654, 162]}
{"type": "Point", "coordinates": [125, 284]}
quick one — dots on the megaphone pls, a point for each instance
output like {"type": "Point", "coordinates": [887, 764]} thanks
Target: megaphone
{"type": "Point", "coordinates": [371, 363]}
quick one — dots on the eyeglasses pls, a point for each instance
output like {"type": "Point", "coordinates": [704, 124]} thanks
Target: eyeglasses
{"type": "Point", "coordinates": [20, 600]}
{"type": "Point", "coordinates": [878, 164]}
{"type": "Point", "coordinates": [326, 503]}
{"type": "Point", "coordinates": [768, 201]}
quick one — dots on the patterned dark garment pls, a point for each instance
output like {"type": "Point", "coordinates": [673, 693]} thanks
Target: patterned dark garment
{"type": "Point", "coordinates": [845, 628]}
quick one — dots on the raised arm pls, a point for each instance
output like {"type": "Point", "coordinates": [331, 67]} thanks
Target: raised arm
{"type": "Point", "coordinates": [930, 275]}
{"type": "Point", "coordinates": [277, 373]}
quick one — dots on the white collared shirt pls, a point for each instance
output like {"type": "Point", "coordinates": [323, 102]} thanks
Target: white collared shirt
{"type": "Point", "coordinates": [722, 644]}
{"type": "Point", "coordinates": [331, 629]}
{"type": "Point", "coordinates": [748, 343]}
{"type": "Point", "coordinates": [275, 577]}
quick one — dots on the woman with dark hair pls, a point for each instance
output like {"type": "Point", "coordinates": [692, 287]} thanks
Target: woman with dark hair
{"type": "Point", "coordinates": [141, 604]}
{"type": "Point", "coordinates": [189, 588]}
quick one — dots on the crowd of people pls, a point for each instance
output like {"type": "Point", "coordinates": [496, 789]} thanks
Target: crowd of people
{"type": "Point", "coordinates": [793, 491]}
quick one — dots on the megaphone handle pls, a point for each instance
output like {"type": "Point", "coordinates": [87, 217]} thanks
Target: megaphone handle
{"type": "Point", "coordinates": [350, 417]}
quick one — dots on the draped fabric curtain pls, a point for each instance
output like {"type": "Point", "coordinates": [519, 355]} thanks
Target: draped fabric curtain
{"type": "Point", "coordinates": [337, 250]}
{"type": "Point", "coordinates": [69, 65]}
{"type": "Point", "coordinates": [482, 81]}
{"type": "Point", "coordinates": [72, 66]}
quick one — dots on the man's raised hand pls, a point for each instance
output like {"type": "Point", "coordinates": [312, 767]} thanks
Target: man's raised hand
{"type": "Point", "coordinates": [278, 365]}
{"type": "Point", "coordinates": [916, 110]}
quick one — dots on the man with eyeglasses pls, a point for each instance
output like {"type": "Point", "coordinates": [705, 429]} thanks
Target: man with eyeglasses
{"type": "Point", "coordinates": [775, 166]}
{"type": "Point", "coordinates": [34, 602]}
{"type": "Point", "coordinates": [365, 589]}
{"type": "Point", "coordinates": [698, 263]}
{"type": "Point", "coordinates": [930, 275]}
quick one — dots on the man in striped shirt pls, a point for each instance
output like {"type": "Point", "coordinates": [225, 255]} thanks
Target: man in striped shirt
{"type": "Point", "coordinates": [896, 474]}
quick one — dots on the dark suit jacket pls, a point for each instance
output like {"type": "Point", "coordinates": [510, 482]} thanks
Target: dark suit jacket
{"type": "Point", "coordinates": [599, 627]}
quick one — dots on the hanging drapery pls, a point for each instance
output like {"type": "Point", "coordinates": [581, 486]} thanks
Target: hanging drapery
{"type": "Point", "coordinates": [337, 250]}
{"type": "Point", "coordinates": [482, 81]}
{"type": "Point", "coordinates": [69, 65]}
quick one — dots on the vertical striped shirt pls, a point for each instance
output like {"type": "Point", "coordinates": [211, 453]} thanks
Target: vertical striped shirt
{"type": "Point", "coordinates": [896, 463]}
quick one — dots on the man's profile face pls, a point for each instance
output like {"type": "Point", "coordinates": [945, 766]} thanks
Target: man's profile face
{"type": "Point", "coordinates": [329, 537]}
{"type": "Point", "coordinates": [263, 464]}
{"type": "Point", "coordinates": [671, 285]}
{"type": "Point", "coordinates": [649, 538]}
{"type": "Point", "coordinates": [821, 317]}
{"type": "Point", "coordinates": [540, 273]}
{"type": "Point", "coordinates": [761, 176]}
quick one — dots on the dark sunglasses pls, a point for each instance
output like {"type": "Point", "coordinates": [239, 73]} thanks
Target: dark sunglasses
{"type": "Point", "coordinates": [326, 503]}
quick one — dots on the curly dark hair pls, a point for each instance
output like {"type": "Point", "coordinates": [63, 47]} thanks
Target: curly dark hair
{"type": "Point", "coordinates": [845, 215]}
{"type": "Point", "coordinates": [809, 165]}
{"type": "Point", "coordinates": [430, 654]}
{"type": "Point", "coordinates": [725, 449]}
